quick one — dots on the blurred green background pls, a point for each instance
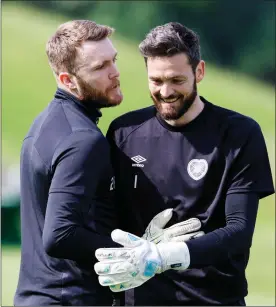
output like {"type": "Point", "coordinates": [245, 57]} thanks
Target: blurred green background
{"type": "Point", "coordinates": [238, 44]}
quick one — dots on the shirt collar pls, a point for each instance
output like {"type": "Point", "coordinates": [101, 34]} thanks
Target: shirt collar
{"type": "Point", "coordinates": [88, 107]}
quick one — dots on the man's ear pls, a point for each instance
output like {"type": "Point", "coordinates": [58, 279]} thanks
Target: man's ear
{"type": "Point", "coordinates": [200, 71]}
{"type": "Point", "coordinates": [67, 80]}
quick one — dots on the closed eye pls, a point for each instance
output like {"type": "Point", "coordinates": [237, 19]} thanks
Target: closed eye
{"type": "Point", "coordinates": [115, 59]}
{"type": "Point", "coordinates": [156, 81]}
{"type": "Point", "coordinates": [105, 63]}
{"type": "Point", "coordinates": [178, 81]}
{"type": "Point", "coordinates": [100, 67]}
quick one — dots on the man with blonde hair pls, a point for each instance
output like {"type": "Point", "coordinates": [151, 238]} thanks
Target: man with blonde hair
{"type": "Point", "coordinates": [66, 177]}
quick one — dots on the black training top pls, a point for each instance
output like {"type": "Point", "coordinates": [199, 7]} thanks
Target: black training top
{"type": "Point", "coordinates": [215, 168]}
{"type": "Point", "coordinates": [67, 210]}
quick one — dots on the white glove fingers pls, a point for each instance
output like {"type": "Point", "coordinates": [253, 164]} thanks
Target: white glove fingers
{"type": "Point", "coordinates": [162, 218]}
{"type": "Point", "coordinates": [125, 238]}
{"type": "Point", "coordinates": [110, 280]}
{"type": "Point", "coordinates": [112, 253]}
{"type": "Point", "coordinates": [187, 237]}
{"type": "Point", "coordinates": [178, 231]}
{"type": "Point", "coordinates": [128, 267]}
{"type": "Point", "coordinates": [124, 286]}
{"type": "Point", "coordinates": [197, 234]}
{"type": "Point", "coordinates": [190, 225]}
{"type": "Point", "coordinates": [114, 267]}
{"type": "Point", "coordinates": [157, 223]}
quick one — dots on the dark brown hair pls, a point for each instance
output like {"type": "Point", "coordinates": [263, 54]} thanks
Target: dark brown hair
{"type": "Point", "coordinates": [170, 39]}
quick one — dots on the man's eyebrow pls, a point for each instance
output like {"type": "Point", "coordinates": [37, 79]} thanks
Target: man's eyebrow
{"type": "Point", "coordinates": [103, 62]}
{"type": "Point", "coordinates": [167, 78]}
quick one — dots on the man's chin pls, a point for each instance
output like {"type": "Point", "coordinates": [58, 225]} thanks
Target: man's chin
{"type": "Point", "coordinates": [168, 113]}
{"type": "Point", "coordinates": [116, 101]}
{"type": "Point", "coordinates": [111, 103]}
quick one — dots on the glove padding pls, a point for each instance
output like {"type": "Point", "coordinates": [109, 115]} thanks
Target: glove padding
{"type": "Point", "coordinates": [179, 232]}
{"type": "Point", "coordinates": [138, 261]}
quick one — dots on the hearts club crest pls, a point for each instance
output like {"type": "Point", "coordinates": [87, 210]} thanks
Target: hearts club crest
{"type": "Point", "coordinates": [197, 168]}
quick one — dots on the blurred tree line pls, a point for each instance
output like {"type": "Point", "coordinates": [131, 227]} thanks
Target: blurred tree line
{"type": "Point", "coordinates": [235, 34]}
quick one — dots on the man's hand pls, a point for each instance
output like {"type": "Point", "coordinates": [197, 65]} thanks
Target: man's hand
{"type": "Point", "coordinates": [138, 261]}
{"type": "Point", "coordinates": [179, 232]}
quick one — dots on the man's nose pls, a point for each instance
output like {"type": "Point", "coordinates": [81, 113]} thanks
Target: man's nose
{"type": "Point", "coordinates": [114, 73]}
{"type": "Point", "coordinates": [166, 91]}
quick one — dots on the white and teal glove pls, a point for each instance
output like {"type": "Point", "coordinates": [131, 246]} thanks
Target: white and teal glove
{"type": "Point", "coordinates": [118, 267]}
{"type": "Point", "coordinates": [138, 261]}
{"type": "Point", "coordinates": [179, 232]}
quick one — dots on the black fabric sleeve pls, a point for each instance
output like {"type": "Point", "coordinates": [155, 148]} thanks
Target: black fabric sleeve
{"type": "Point", "coordinates": [250, 171]}
{"type": "Point", "coordinates": [118, 194]}
{"type": "Point", "coordinates": [77, 222]}
{"type": "Point", "coordinates": [234, 238]}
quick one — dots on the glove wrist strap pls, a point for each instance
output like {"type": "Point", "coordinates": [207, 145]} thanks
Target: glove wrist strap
{"type": "Point", "coordinates": [174, 255]}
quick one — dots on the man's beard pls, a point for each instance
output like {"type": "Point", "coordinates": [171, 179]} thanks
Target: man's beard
{"type": "Point", "coordinates": [176, 111]}
{"type": "Point", "coordinates": [99, 98]}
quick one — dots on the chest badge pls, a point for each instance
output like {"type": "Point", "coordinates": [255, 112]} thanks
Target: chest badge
{"type": "Point", "coordinates": [197, 168]}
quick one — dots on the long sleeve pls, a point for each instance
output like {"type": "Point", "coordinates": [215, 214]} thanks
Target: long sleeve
{"type": "Point", "coordinates": [234, 238]}
{"type": "Point", "coordinates": [80, 214]}
{"type": "Point", "coordinates": [250, 179]}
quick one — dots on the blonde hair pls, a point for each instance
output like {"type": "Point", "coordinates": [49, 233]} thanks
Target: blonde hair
{"type": "Point", "coordinates": [61, 48]}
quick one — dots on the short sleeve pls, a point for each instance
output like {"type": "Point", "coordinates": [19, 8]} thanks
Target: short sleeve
{"type": "Point", "coordinates": [250, 170]}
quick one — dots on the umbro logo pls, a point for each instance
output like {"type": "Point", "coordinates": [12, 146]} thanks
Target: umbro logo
{"type": "Point", "coordinates": [138, 159]}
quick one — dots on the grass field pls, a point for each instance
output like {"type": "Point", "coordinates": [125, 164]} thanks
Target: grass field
{"type": "Point", "coordinates": [28, 86]}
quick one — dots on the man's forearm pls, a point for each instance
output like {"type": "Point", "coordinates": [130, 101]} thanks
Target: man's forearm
{"type": "Point", "coordinates": [235, 237]}
{"type": "Point", "coordinates": [75, 243]}
{"type": "Point", "coordinates": [67, 235]}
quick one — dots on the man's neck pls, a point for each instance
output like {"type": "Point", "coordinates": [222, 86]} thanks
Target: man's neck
{"type": "Point", "coordinates": [190, 115]}
{"type": "Point", "coordinates": [66, 89]}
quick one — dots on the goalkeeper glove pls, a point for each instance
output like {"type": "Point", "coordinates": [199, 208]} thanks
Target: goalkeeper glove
{"type": "Point", "coordinates": [179, 232]}
{"type": "Point", "coordinates": [138, 261]}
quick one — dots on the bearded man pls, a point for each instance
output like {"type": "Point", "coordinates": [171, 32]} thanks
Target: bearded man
{"type": "Point", "coordinates": [66, 176]}
{"type": "Point", "coordinates": [67, 182]}
{"type": "Point", "coordinates": [200, 159]}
